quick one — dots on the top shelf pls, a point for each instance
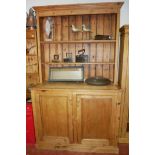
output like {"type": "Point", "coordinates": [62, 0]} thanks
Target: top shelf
{"type": "Point", "coordinates": [78, 41]}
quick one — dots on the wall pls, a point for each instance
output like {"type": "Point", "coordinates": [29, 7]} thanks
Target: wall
{"type": "Point", "coordinates": [124, 19]}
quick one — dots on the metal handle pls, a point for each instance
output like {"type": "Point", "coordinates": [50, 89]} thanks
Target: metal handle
{"type": "Point", "coordinates": [83, 51]}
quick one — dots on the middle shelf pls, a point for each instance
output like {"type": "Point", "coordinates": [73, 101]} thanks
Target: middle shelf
{"type": "Point", "coordinates": [78, 63]}
{"type": "Point", "coordinates": [78, 41]}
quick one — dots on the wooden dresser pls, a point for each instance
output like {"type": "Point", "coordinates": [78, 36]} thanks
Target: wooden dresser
{"type": "Point", "coordinates": [75, 116]}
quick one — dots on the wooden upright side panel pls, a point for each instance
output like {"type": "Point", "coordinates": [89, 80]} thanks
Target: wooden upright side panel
{"type": "Point", "coordinates": [124, 79]}
{"type": "Point", "coordinates": [117, 50]}
{"type": "Point", "coordinates": [39, 38]}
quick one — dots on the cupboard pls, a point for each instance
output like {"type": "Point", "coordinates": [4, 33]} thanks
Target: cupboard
{"type": "Point", "coordinates": [75, 116]}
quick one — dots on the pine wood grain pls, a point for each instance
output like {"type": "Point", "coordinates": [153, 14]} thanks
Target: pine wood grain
{"type": "Point", "coordinates": [77, 116]}
{"type": "Point", "coordinates": [78, 9]}
{"type": "Point", "coordinates": [124, 80]}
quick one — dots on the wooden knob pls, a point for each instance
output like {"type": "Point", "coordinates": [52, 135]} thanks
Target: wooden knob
{"type": "Point", "coordinates": [118, 103]}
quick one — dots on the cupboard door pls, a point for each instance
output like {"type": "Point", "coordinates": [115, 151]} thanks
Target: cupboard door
{"type": "Point", "coordinates": [53, 118]}
{"type": "Point", "coordinates": [96, 119]}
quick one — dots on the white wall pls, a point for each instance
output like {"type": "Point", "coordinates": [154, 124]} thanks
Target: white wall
{"type": "Point", "coordinates": [124, 19]}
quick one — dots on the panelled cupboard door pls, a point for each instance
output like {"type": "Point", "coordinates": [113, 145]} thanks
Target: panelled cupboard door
{"type": "Point", "coordinates": [53, 118]}
{"type": "Point", "coordinates": [96, 119]}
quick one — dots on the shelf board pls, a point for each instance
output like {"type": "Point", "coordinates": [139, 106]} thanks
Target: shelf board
{"type": "Point", "coordinates": [29, 74]}
{"type": "Point", "coordinates": [75, 85]}
{"type": "Point", "coordinates": [33, 55]}
{"type": "Point", "coordinates": [77, 63]}
{"type": "Point", "coordinates": [32, 64]}
{"type": "Point", "coordinates": [32, 73]}
{"type": "Point", "coordinates": [78, 41]}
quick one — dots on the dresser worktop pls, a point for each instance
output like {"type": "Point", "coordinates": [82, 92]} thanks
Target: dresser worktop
{"type": "Point", "coordinates": [73, 85]}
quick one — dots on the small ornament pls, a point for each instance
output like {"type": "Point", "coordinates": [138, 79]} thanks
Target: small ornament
{"type": "Point", "coordinates": [49, 28]}
{"type": "Point", "coordinates": [85, 29]}
{"type": "Point", "coordinates": [74, 29]}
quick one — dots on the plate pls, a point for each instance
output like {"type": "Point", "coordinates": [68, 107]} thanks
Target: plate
{"type": "Point", "coordinates": [48, 27]}
{"type": "Point", "coordinates": [98, 81]}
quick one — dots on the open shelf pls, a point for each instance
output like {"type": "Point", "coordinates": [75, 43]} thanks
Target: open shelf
{"type": "Point", "coordinates": [78, 41]}
{"type": "Point", "coordinates": [102, 54]}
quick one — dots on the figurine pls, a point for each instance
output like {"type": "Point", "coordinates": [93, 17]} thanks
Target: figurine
{"type": "Point", "coordinates": [85, 29]}
{"type": "Point", "coordinates": [74, 29]}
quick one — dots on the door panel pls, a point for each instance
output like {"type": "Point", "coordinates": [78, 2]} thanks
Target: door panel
{"type": "Point", "coordinates": [96, 117]}
{"type": "Point", "coordinates": [54, 113]}
{"type": "Point", "coordinates": [93, 112]}
{"type": "Point", "coordinates": [54, 118]}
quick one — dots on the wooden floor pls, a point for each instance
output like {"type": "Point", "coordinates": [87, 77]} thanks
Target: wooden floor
{"type": "Point", "coordinates": [31, 150]}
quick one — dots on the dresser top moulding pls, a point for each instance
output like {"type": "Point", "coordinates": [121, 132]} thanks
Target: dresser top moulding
{"type": "Point", "coordinates": [78, 9]}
